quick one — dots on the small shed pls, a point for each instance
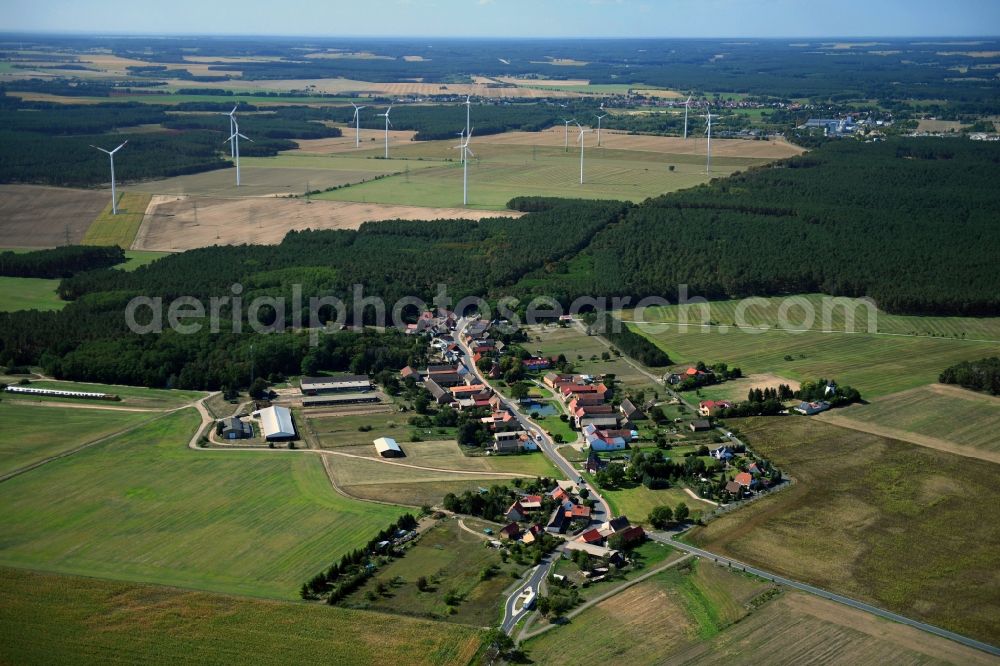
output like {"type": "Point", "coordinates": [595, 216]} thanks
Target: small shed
{"type": "Point", "coordinates": [235, 428]}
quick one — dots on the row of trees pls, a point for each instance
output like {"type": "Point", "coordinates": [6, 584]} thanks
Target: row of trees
{"type": "Point", "coordinates": [354, 568]}
{"type": "Point", "coordinates": [494, 502]}
{"type": "Point", "coordinates": [59, 262]}
{"type": "Point", "coordinates": [631, 343]}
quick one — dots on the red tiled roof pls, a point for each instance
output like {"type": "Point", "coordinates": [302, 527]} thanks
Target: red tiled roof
{"type": "Point", "coordinates": [591, 536]}
{"type": "Point", "coordinates": [744, 479]}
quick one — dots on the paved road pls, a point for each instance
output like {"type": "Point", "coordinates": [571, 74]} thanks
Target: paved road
{"type": "Point", "coordinates": [601, 511]}
{"type": "Point", "coordinates": [534, 580]}
{"type": "Point", "coordinates": [810, 589]}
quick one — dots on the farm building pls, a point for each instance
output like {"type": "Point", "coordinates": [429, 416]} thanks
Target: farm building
{"type": "Point", "coordinates": [339, 399]}
{"type": "Point", "coordinates": [810, 408]}
{"type": "Point", "coordinates": [234, 428]}
{"type": "Point", "coordinates": [630, 411]}
{"type": "Point", "coordinates": [335, 384]}
{"type": "Point", "coordinates": [700, 425]}
{"type": "Point", "coordinates": [388, 448]}
{"type": "Point", "coordinates": [593, 550]}
{"type": "Point", "coordinates": [56, 393]}
{"type": "Point", "coordinates": [276, 423]}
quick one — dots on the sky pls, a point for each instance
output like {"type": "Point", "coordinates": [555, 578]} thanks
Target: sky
{"type": "Point", "coordinates": [510, 18]}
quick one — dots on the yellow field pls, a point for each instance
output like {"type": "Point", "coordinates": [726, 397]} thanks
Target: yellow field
{"type": "Point", "coordinates": [119, 229]}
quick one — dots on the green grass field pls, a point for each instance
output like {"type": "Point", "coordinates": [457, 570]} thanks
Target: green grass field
{"type": "Point", "coordinates": [119, 229]}
{"type": "Point", "coordinates": [897, 525]}
{"type": "Point", "coordinates": [131, 396]}
{"type": "Point", "coordinates": [136, 258]}
{"type": "Point", "coordinates": [651, 620]}
{"type": "Point", "coordinates": [874, 364]}
{"type": "Point", "coordinates": [452, 560]}
{"type": "Point", "coordinates": [764, 312]}
{"type": "Point", "coordinates": [500, 172]}
{"type": "Point", "coordinates": [637, 502]}
{"type": "Point", "coordinates": [143, 507]}
{"type": "Point", "coordinates": [29, 294]}
{"type": "Point", "coordinates": [952, 414]}
{"type": "Point", "coordinates": [112, 622]}
{"type": "Point", "coordinates": [37, 432]}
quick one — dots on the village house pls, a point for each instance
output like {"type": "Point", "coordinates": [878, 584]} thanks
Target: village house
{"type": "Point", "coordinates": [630, 411]}
{"type": "Point", "coordinates": [553, 380]}
{"type": "Point", "coordinates": [745, 480]}
{"type": "Point", "coordinates": [594, 463]}
{"type": "Point", "coordinates": [441, 395]}
{"type": "Point", "coordinates": [500, 421]}
{"type": "Point", "coordinates": [510, 531]}
{"type": "Point", "coordinates": [712, 407]}
{"type": "Point", "coordinates": [598, 440]}
{"type": "Point", "coordinates": [516, 513]}
{"type": "Point", "coordinates": [722, 453]}
{"type": "Point", "coordinates": [531, 502]}
{"type": "Point", "coordinates": [531, 534]}
{"type": "Point", "coordinates": [810, 408]}
{"type": "Point", "coordinates": [700, 425]}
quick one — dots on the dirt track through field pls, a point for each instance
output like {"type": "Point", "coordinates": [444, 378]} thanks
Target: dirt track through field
{"type": "Point", "coordinates": [172, 224]}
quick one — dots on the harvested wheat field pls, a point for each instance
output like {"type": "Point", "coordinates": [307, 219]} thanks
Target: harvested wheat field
{"type": "Point", "coordinates": [343, 144]}
{"type": "Point", "coordinates": [34, 216]}
{"type": "Point", "coordinates": [771, 149]}
{"type": "Point", "coordinates": [178, 223]}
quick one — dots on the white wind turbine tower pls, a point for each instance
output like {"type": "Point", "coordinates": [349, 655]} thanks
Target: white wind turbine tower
{"type": "Point", "coordinates": [599, 118]}
{"type": "Point", "coordinates": [580, 139]}
{"type": "Point", "coordinates": [357, 124]}
{"type": "Point", "coordinates": [464, 147]}
{"type": "Point", "coordinates": [687, 105]}
{"type": "Point", "coordinates": [232, 128]}
{"type": "Point", "coordinates": [566, 133]}
{"type": "Point", "coordinates": [387, 126]}
{"type": "Point", "coordinates": [235, 139]}
{"type": "Point", "coordinates": [111, 154]}
{"type": "Point", "coordinates": [708, 152]}
{"type": "Point", "coordinates": [468, 107]}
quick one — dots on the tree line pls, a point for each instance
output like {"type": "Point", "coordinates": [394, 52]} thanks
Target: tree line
{"type": "Point", "coordinates": [982, 375]}
{"type": "Point", "coordinates": [59, 262]}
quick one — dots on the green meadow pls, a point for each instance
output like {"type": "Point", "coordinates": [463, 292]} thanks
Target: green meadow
{"type": "Point", "coordinates": [143, 507]}
{"type": "Point", "coordinates": [17, 293]}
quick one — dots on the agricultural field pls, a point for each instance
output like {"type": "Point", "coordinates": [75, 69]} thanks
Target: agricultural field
{"type": "Point", "coordinates": [503, 169]}
{"type": "Point", "coordinates": [29, 294]}
{"type": "Point", "coordinates": [143, 507]}
{"type": "Point", "coordinates": [131, 396]}
{"type": "Point", "coordinates": [874, 364]}
{"type": "Point", "coordinates": [333, 432]}
{"type": "Point", "coordinates": [737, 389]}
{"type": "Point", "coordinates": [940, 416]}
{"type": "Point", "coordinates": [118, 229]}
{"type": "Point", "coordinates": [451, 559]}
{"type": "Point", "coordinates": [33, 216]}
{"type": "Point", "coordinates": [794, 628]}
{"type": "Point", "coordinates": [179, 222]}
{"type": "Point", "coordinates": [764, 313]}
{"type": "Point", "coordinates": [881, 520]}
{"type": "Point", "coordinates": [675, 609]}
{"type": "Point", "coordinates": [43, 431]}
{"type": "Point", "coordinates": [114, 622]}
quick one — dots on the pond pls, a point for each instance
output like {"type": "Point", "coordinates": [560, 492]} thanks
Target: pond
{"type": "Point", "coordinates": [543, 408]}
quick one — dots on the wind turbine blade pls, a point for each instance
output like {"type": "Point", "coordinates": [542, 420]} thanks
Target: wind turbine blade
{"type": "Point", "coordinates": [119, 147]}
{"type": "Point", "coordinates": [469, 151]}
{"type": "Point", "coordinates": [101, 149]}
{"type": "Point", "coordinates": [242, 136]}
{"type": "Point", "coordinates": [234, 109]}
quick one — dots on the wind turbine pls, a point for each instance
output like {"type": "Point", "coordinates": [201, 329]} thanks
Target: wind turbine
{"type": "Point", "coordinates": [687, 105]}
{"type": "Point", "coordinates": [464, 147]}
{"type": "Point", "coordinates": [566, 133]}
{"type": "Point", "coordinates": [599, 118]}
{"type": "Point", "coordinates": [387, 126]}
{"type": "Point", "coordinates": [235, 139]}
{"type": "Point", "coordinates": [111, 154]}
{"type": "Point", "coordinates": [580, 139]}
{"type": "Point", "coordinates": [708, 153]}
{"type": "Point", "coordinates": [468, 106]}
{"type": "Point", "coordinates": [357, 125]}
{"type": "Point", "coordinates": [232, 128]}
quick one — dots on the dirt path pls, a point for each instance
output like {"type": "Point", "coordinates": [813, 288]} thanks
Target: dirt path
{"type": "Point", "coordinates": [927, 441]}
{"type": "Point", "coordinates": [461, 523]}
{"type": "Point", "coordinates": [491, 475]}
{"type": "Point", "coordinates": [79, 405]}
{"type": "Point", "coordinates": [695, 496]}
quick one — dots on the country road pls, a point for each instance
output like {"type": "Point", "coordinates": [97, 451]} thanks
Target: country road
{"type": "Point", "coordinates": [665, 538]}
{"type": "Point", "coordinates": [534, 580]}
